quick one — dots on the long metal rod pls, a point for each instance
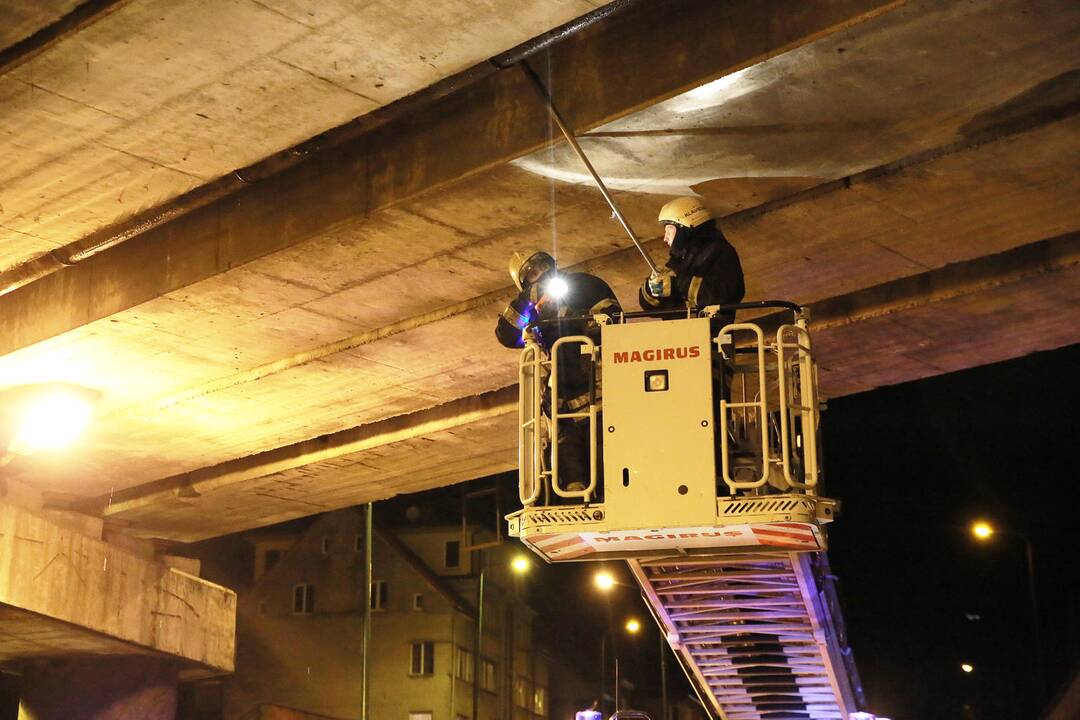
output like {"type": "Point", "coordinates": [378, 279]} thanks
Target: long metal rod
{"type": "Point", "coordinates": [478, 641]}
{"type": "Point", "coordinates": [542, 89]}
{"type": "Point", "coordinates": [1029, 556]}
{"type": "Point", "coordinates": [663, 676]}
{"type": "Point", "coordinates": [365, 640]}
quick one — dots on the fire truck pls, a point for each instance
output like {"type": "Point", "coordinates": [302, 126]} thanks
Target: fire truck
{"type": "Point", "coordinates": [703, 475]}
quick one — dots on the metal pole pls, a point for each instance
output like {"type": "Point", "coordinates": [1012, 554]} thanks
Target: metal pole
{"type": "Point", "coordinates": [603, 666]}
{"type": "Point", "coordinates": [542, 89]}
{"type": "Point", "coordinates": [365, 639]}
{"type": "Point", "coordinates": [1029, 554]}
{"type": "Point", "coordinates": [663, 677]}
{"type": "Point", "coordinates": [479, 640]}
{"type": "Point", "coordinates": [616, 682]}
{"type": "Point", "coordinates": [509, 709]}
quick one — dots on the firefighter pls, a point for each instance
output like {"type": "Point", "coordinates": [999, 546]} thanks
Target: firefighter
{"type": "Point", "coordinates": [560, 304]}
{"type": "Point", "coordinates": [702, 269]}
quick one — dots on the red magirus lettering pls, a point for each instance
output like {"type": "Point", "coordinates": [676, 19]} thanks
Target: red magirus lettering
{"type": "Point", "coordinates": [655, 354]}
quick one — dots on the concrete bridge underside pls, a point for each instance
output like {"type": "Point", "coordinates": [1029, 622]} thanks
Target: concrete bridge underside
{"type": "Point", "coordinates": [275, 241]}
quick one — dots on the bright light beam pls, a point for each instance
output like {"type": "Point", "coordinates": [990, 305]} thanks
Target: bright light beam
{"type": "Point", "coordinates": [557, 288]}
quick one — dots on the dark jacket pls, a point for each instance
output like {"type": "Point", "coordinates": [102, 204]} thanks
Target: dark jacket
{"type": "Point", "coordinates": [588, 295]}
{"type": "Point", "coordinates": [707, 272]}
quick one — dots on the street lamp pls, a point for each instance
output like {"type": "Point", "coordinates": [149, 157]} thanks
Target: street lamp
{"type": "Point", "coordinates": [633, 627]}
{"type": "Point", "coordinates": [43, 417]}
{"type": "Point", "coordinates": [983, 531]}
{"type": "Point", "coordinates": [967, 667]}
{"type": "Point", "coordinates": [604, 580]}
{"type": "Point", "coordinates": [520, 565]}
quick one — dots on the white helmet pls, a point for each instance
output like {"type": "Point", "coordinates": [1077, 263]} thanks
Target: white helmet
{"type": "Point", "coordinates": [685, 212]}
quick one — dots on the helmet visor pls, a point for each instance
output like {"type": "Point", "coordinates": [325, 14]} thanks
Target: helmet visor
{"type": "Point", "coordinates": [534, 268]}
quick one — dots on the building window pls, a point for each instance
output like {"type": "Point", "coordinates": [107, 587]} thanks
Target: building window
{"type": "Point", "coordinates": [422, 660]}
{"type": "Point", "coordinates": [418, 601]}
{"type": "Point", "coordinates": [379, 595]}
{"type": "Point", "coordinates": [325, 545]}
{"type": "Point", "coordinates": [303, 602]}
{"type": "Point", "coordinates": [463, 664]}
{"type": "Point", "coordinates": [270, 559]}
{"type": "Point", "coordinates": [521, 692]}
{"type": "Point", "coordinates": [540, 701]}
{"type": "Point", "coordinates": [487, 675]}
{"type": "Point", "coordinates": [452, 554]}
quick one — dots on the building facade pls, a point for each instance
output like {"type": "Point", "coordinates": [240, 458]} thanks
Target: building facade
{"type": "Point", "coordinates": [300, 626]}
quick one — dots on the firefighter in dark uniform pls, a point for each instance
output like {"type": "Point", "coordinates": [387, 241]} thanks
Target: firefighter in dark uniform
{"type": "Point", "coordinates": [559, 301]}
{"type": "Point", "coordinates": [703, 268]}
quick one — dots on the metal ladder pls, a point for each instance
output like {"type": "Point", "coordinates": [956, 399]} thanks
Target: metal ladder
{"type": "Point", "coordinates": [759, 635]}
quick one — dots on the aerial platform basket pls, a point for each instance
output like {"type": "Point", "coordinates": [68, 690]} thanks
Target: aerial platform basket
{"type": "Point", "coordinates": [703, 440]}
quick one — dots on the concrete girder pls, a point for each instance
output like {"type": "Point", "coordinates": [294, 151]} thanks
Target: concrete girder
{"type": "Point", "coordinates": [63, 592]}
{"type": "Point", "coordinates": [162, 95]}
{"type": "Point", "coordinates": [861, 207]}
{"type": "Point", "coordinates": [485, 122]}
{"type": "Point", "coordinates": [281, 473]}
{"type": "Point", "coordinates": [850, 332]}
{"type": "Point", "coordinates": [924, 211]}
{"type": "Point", "coordinates": [62, 19]}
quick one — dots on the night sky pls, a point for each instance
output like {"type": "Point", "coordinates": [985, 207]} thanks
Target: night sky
{"type": "Point", "coordinates": [913, 465]}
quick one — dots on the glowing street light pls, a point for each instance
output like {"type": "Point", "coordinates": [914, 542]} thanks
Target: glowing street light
{"type": "Point", "coordinates": [50, 422]}
{"type": "Point", "coordinates": [633, 626]}
{"type": "Point", "coordinates": [983, 531]}
{"type": "Point", "coordinates": [520, 564]}
{"type": "Point", "coordinates": [967, 667]}
{"type": "Point", "coordinates": [604, 580]}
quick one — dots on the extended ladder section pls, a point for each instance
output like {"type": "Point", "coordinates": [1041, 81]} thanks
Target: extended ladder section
{"type": "Point", "coordinates": [758, 635]}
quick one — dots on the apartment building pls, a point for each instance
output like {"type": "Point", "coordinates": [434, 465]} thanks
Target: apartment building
{"type": "Point", "coordinates": [301, 621]}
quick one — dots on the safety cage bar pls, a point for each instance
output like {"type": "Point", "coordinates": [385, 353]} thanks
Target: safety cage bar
{"type": "Point", "coordinates": [776, 443]}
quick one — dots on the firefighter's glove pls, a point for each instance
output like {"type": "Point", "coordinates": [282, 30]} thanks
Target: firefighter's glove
{"type": "Point", "coordinates": [660, 282]}
{"type": "Point", "coordinates": [519, 313]}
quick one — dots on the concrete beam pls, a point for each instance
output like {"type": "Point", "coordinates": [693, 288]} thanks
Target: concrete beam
{"type": "Point", "coordinates": [847, 329]}
{"type": "Point", "coordinates": [80, 17]}
{"type": "Point", "coordinates": [490, 121]}
{"type": "Point", "coordinates": [366, 437]}
{"type": "Point", "coordinates": [986, 273]}
{"type": "Point", "coordinates": [63, 593]}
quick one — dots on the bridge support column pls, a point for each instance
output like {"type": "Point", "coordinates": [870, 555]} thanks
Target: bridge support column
{"type": "Point", "coordinates": [128, 687]}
